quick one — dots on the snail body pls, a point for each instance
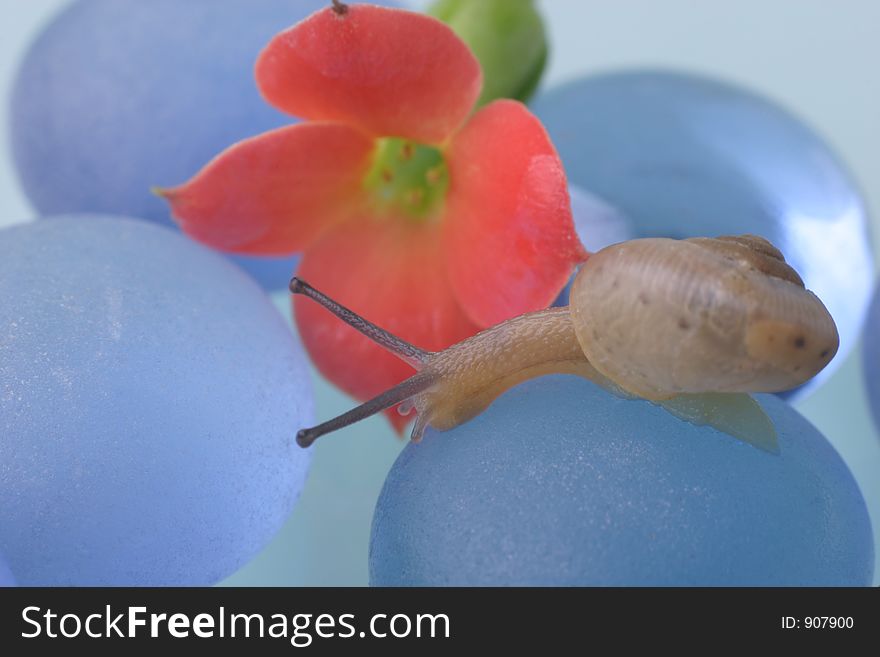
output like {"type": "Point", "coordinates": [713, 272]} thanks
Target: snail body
{"type": "Point", "coordinates": [471, 374]}
{"type": "Point", "coordinates": [692, 325]}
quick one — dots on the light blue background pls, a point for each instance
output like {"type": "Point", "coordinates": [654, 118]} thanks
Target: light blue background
{"type": "Point", "coordinates": [813, 56]}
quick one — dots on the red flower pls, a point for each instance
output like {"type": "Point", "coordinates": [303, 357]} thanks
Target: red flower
{"type": "Point", "coordinates": [429, 222]}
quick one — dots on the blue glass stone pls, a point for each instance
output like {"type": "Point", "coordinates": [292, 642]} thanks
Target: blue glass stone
{"type": "Point", "coordinates": [598, 224]}
{"type": "Point", "coordinates": [149, 395]}
{"type": "Point", "coordinates": [561, 483]}
{"type": "Point", "coordinates": [871, 357]}
{"type": "Point", "coordinates": [117, 96]}
{"type": "Point", "coordinates": [6, 578]}
{"type": "Point", "coordinates": [684, 156]}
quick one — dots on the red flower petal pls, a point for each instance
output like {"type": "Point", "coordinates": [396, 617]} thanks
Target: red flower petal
{"type": "Point", "coordinates": [391, 271]}
{"type": "Point", "coordinates": [389, 71]}
{"type": "Point", "coordinates": [510, 240]}
{"type": "Point", "coordinates": [274, 193]}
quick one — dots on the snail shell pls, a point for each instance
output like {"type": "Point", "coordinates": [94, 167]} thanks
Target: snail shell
{"type": "Point", "coordinates": [661, 317]}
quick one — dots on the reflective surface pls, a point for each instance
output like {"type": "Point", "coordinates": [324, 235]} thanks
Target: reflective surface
{"type": "Point", "coordinates": [560, 483]}
{"type": "Point", "coordinates": [684, 156]}
{"type": "Point", "coordinates": [117, 96]}
{"type": "Point", "coordinates": [147, 417]}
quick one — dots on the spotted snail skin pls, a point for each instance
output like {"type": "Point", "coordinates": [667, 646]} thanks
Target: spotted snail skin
{"type": "Point", "coordinates": [692, 325]}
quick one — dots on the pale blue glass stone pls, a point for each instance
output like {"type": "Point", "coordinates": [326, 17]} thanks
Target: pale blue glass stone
{"type": "Point", "coordinates": [871, 357]}
{"type": "Point", "coordinates": [561, 483]}
{"type": "Point", "coordinates": [6, 578]}
{"type": "Point", "coordinates": [149, 396]}
{"type": "Point", "coordinates": [684, 156]}
{"type": "Point", "coordinates": [597, 224]}
{"type": "Point", "coordinates": [117, 96]}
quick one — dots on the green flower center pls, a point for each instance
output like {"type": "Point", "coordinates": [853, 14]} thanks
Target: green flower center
{"type": "Point", "coordinates": [407, 178]}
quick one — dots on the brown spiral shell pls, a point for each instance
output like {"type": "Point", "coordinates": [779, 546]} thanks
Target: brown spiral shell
{"type": "Point", "coordinates": [661, 317]}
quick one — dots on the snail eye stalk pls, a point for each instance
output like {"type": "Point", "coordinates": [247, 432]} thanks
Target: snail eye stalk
{"type": "Point", "coordinates": [400, 393]}
{"type": "Point", "coordinates": [400, 348]}
{"type": "Point", "coordinates": [403, 391]}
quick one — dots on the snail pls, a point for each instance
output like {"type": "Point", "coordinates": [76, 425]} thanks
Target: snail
{"type": "Point", "coordinates": [692, 325]}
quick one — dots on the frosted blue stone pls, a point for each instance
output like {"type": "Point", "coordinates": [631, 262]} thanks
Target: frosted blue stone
{"type": "Point", "coordinates": [871, 357]}
{"type": "Point", "coordinates": [149, 395]}
{"type": "Point", "coordinates": [116, 96]}
{"type": "Point", "coordinates": [560, 483]}
{"type": "Point", "coordinates": [683, 156]}
{"type": "Point", "coordinates": [598, 224]}
{"type": "Point", "coordinates": [6, 578]}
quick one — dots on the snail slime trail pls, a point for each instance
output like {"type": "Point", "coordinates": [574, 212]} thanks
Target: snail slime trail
{"type": "Point", "coordinates": [691, 325]}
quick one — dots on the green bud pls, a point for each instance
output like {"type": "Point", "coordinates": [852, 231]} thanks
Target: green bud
{"type": "Point", "coordinates": [507, 37]}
